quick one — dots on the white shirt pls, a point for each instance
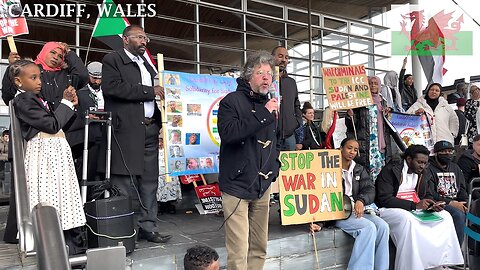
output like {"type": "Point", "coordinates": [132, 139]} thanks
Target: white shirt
{"type": "Point", "coordinates": [99, 97]}
{"type": "Point", "coordinates": [149, 106]}
{"type": "Point", "coordinates": [347, 176]}
{"type": "Point", "coordinates": [409, 180]}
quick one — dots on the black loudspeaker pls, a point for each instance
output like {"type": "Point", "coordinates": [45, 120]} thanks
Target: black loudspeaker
{"type": "Point", "coordinates": [111, 220]}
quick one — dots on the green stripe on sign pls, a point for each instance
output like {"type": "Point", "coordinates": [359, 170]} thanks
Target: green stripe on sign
{"type": "Point", "coordinates": [461, 45]}
{"type": "Point", "coordinates": [215, 130]}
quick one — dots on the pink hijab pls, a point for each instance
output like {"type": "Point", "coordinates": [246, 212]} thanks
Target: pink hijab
{"type": "Point", "coordinates": [47, 48]}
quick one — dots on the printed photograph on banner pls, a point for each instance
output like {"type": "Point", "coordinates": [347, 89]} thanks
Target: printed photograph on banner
{"type": "Point", "coordinates": [346, 87]}
{"type": "Point", "coordinates": [174, 120]}
{"type": "Point", "coordinates": [175, 136]}
{"type": "Point", "coordinates": [194, 119]}
{"type": "Point", "coordinates": [172, 79]}
{"type": "Point", "coordinates": [176, 151]}
{"type": "Point", "coordinates": [177, 165]}
{"type": "Point", "coordinates": [206, 163]}
{"type": "Point", "coordinates": [311, 186]}
{"type": "Point", "coordinates": [173, 93]}
{"type": "Point", "coordinates": [193, 138]}
{"type": "Point", "coordinates": [193, 164]}
{"type": "Point", "coordinates": [194, 109]}
{"type": "Point", "coordinates": [174, 106]}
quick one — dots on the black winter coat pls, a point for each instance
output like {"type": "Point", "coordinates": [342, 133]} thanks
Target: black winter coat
{"type": "Point", "coordinates": [245, 127]}
{"type": "Point", "coordinates": [290, 112]}
{"type": "Point", "coordinates": [469, 165]}
{"type": "Point", "coordinates": [124, 95]}
{"type": "Point", "coordinates": [362, 186]}
{"type": "Point", "coordinates": [431, 173]}
{"type": "Point", "coordinates": [388, 182]}
{"type": "Point", "coordinates": [409, 94]}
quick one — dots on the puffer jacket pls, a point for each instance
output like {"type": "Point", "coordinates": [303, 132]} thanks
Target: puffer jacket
{"type": "Point", "coordinates": [444, 121]}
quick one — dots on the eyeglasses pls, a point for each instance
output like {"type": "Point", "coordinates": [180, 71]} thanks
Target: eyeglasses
{"type": "Point", "coordinates": [141, 37]}
{"type": "Point", "coordinates": [262, 73]}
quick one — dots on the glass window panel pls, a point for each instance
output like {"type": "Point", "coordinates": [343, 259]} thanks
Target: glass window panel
{"type": "Point", "coordinates": [172, 49]}
{"type": "Point", "coordinates": [261, 43]}
{"type": "Point", "coordinates": [361, 59]}
{"type": "Point", "coordinates": [171, 28]}
{"type": "Point", "coordinates": [221, 18]}
{"type": "Point", "coordinates": [361, 30]}
{"type": "Point", "coordinates": [336, 56]}
{"type": "Point", "coordinates": [221, 57]}
{"type": "Point", "coordinates": [362, 45]}
{"type": "Point", "coordinates": [384, 64]}
{"type": "Point", "coordinates": [178, 66]}
{"type": "Point", "coordinates": [265, 26]}
{"type": "Point", "coordinates": [232, 4]}
{"type": "Point", "coordinates": [221, 37]}
{"type": "Point", "coordinates": [297, 16]}
{"type": "Point", "coordinates": [265, 9]}
{"type": "Point", "coordinates": [299, 51]}
{"type": "Point", "coordinates": [299, 67]}
{"type": "Point", "coordinates": [297, 32]}
{"type": "Point", "coordinates": [335, 40]}
{"type": "Point", "coordinates": [382, 48]}
{"type": "Point", "coordinates": [334, 24]}
{"type": "Point", "coordinates": [175, 9]}
{"type": "Point", "coordinates": [381, 33]}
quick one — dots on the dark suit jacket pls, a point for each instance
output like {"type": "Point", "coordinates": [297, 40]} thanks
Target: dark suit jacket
{"type": "Point", "coordinates": [35, 117]}
{"type": "Point", "coordinates": [124, 96]}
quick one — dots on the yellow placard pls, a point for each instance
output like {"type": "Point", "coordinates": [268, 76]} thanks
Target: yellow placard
{"type": "Point", "coordinates": [310, 185]}
{"type": "Point", "coordinates": [346, 87]}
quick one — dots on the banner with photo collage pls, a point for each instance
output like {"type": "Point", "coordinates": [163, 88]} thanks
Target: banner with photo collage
{"type": "Point", "coordinates": [191, 103]}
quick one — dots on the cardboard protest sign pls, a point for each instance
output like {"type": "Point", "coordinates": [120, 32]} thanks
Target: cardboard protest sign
{"type": "Point", "coordinates": [310, 186]}
{"type": "Point", "coordinates": [12, 22]}
{"type": "Point", "coordinates": [187, 179]}
{"type": "Point", "coordinates": [346, 87]}
{"type": "Point", "coordinates": [210, 197]}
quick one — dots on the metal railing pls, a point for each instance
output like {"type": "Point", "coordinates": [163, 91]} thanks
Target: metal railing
{"type": "Point", "coordinates": [24, 223]}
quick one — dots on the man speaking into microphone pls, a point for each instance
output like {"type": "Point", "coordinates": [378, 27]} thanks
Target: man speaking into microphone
{"type": "Point", "coordinates": [248, 162]}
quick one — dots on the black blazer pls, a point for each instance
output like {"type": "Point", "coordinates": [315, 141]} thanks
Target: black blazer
{"type": "Point", "coordinates": [124, 95]}
{"type": "Point", "coordinates": [35, 117]}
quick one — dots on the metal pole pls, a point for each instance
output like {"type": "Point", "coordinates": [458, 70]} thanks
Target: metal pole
{"type": "Point", "coordinates": [197, 38]}
{"type": "Point", "coordinates": [77, 35]}
{"type": "Point", "coordinates": [417, 71]}
{"type": "Point", "coordinates": [310, 51]}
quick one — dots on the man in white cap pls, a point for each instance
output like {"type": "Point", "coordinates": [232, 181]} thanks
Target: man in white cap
{"type": "Point", "coordinates": [90, 98]}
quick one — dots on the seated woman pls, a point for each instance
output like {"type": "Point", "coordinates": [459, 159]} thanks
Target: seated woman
{"type": "Point", "coordinates": [441, 116]}
{"type": "Point", "coordinates": [371, 233]}
{"type": "Point", "coordinates": [401, 189]}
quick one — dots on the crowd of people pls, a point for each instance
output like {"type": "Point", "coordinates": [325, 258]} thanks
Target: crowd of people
{"type": "Point", "coordinates": [52, 94]}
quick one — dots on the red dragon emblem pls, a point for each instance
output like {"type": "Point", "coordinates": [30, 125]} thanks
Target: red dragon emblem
{"type": "Point", "coordinates": [434, 34]}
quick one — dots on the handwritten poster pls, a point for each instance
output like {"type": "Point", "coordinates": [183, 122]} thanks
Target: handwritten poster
{"type": "Point", "coordinates": [310, 185]}
{"type": "Point", "coordinates": [412, 129]}
{"type": "Point", "coordinates": [12, 22]}
{"type": "Point", "coordinates": [346, 87]}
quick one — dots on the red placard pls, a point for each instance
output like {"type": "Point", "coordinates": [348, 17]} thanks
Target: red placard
{"type": "Point", "coordinates": [409, 196]}
{"type": "Point", "coordinates": [12, 22]}
{"type": "Point", "coordinates": [187, 179]}
{"type": "Point", "coordinates": [210, 197]}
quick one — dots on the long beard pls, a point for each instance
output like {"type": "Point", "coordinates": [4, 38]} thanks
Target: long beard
{"type": "Point", "coordinates": [94, 86]}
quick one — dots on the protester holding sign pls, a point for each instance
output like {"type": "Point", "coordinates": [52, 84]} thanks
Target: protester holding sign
{"type": "Point", "coordinates": [442, 118]}
{"type": "Point", "coordinates": [402, 191]}
{"type": "Point", "coordinates": [248, 162]}
{"type": "Point", "coordinates": [371, 131]}
{"type": "Point", "coordinates": [371, 233]}
{"type": "Point", "coordinates": [309, 135]}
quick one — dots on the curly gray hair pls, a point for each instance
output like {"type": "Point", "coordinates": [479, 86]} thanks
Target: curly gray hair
{"type": "Point", "coordinates": [257, 58]}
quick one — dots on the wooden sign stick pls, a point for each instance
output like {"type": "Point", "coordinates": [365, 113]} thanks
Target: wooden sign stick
{"type": "Point", "coordinates": [162, 113]}
{"type": "Point", "coordinates": [11, 44]}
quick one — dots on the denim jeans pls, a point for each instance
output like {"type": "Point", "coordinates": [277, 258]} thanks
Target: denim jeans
{"type": "Point", "coordinates": [370, 250]}
{"type": "Point", "coordinates": [458, 217]}
{"type": "Point", "coordinates": [288, 144]}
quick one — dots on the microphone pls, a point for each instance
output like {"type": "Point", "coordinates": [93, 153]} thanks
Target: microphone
{"type": "Point", "coordinates": [272, 93]}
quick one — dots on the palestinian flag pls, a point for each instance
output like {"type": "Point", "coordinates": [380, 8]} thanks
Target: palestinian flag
{"type": "Point", "coordinates": [109, 29]}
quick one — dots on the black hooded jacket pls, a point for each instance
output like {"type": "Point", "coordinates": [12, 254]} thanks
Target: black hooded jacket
{"type": "Point", "coordinates": [388, 182]}
{"type": "Point", "coordinates": [248, 150]}
{"type": "Point", "coordinates": [409, 94]}
{"type": "Point", "coordinates": [469, 165]}
{"type": "Point", "coordinates": [434, 173]}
